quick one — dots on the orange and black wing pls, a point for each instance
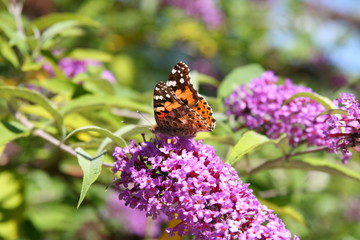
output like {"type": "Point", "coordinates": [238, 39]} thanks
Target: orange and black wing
{"type": "Point", "coordinates": [179, 82]}
{"type": "Point", "coordinates": [172, 116]}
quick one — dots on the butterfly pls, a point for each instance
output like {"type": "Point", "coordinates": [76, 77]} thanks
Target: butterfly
{"type": "Point", "coordinates": [178, 108]}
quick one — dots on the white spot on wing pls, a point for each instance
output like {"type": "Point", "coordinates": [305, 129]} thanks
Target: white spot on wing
{"type": "Point", "coordinates": [171, 83]}
{"type": "Point", "coordinates": [182, 80]}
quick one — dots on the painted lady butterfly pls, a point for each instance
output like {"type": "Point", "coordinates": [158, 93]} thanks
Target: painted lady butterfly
{"type": "Point", "coordinates": [178, 108]}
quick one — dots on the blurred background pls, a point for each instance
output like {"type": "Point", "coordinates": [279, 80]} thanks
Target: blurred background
{"type": "Point", "coordinates": [132, 45]}
{"type": "Point", "coordinates": [316, 42]}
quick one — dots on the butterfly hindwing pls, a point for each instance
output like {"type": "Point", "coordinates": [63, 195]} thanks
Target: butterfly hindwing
{"type": "Point", "coordinates": [179, 110]}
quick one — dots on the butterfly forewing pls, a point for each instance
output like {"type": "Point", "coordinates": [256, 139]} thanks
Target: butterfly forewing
{"type": "Point", "coordinates": [179, 110]}
{"type": "Point", "coordinates": [179, 81]}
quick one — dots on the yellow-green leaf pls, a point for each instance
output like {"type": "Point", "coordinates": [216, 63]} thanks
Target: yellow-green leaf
{"type": "Point", "coordinates": [85, 53]}
{"type": "Point", "coordinates": [326, 102]}
{"type": "Point", "coordinates": [11, 130]}
{"type": "Point", "coordinates": [118, 140]}
{"type": "Point", "coordinates": [238, 76]}
{"type": "Point", "coordinates": [35, 97]}
{"type": "Point", "coordinates": [127, 130]}
{"type": "Point", "coordinates": [49, 20]}
{"type": "Point", "coordinates": [91, 167]}
{"type": "Point", "coordinates": [87, 103]}
{"type": "Point", "coordinates": [285, 210]}
{"type": "Point", "coordinates": [247, 143]}
{"type": "Point", "coordinates": [8, 53]}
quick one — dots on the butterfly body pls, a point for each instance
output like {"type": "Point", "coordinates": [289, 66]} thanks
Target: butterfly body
{"type": "Point", "coordinates": [178, 108]}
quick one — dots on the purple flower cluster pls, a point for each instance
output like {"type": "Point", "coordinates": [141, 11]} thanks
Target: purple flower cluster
{"type": "Point", "coordinates": [260, 106]}
{"type": "Point", "coordinates": [343, 131]}
{"type": "Point", "coordinates": [185, 180]}
{"type": "Point", "coordinates": [204, 9]}
{"type": "Point", "coordinates": [72, 67]}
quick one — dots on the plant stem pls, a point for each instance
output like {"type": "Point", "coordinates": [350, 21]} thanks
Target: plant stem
{"type": "Point", "coordinates": [278, 162]}
{"type": "Point", "coordinates": [44, 135]}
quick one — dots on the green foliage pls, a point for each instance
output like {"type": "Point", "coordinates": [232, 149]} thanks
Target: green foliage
{"type": "Point", "coordinates": [247, 143]}
{"type": "Point", "coordinates": [32, 96]}
{"type": "Point", "coordinates": [91, 167]}
{"type": "Point", "coordinates": [238, 76]}
{"type": "Point", "coordinates": [138, 42]}
{"type": "Point", "coordinates": [326, 102]}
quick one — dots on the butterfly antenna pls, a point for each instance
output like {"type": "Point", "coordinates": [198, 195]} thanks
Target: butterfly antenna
{"type": "Point", "coordinates": [143, 116]}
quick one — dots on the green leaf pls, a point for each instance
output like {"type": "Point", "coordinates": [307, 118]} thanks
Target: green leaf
{"type": "Point", "coordinates": [319, 164]}
{"type": "Point", "coordinates": [58, 28]}
{"type": "Point", "coordinates": [334, 112]}
{"type": "Point", "coordinates": [58, 85]}
{"type": "Point", "coordinates": [326, 102]}
{"type": "Point", "coordinates": [84, 53]}
{"type": "Point", "coordinates": [11, 202]}
{"type": "Point", "coordinates": [32, 96]}
{"type": "Point", "coordinates": [118, 140]}
{"type": "Point", "coordinates": [91, 167]}
{"type": "Point", "coordinates": [8, 53]}
{"type": "Point", "coordinates": [30, 65]}
{"type": "Point", "coordinates": [309, 164]}
{"type": "Point", "coordinates": [7, 26]}
{"type": "Point", "coordinates": [95, 85]}
{"type": "Point", "coordinates": [126, 131]}
{"type": "Point", "coordinates": [10, 195]}
{"type": "Point", "coordinates": [87, 103]}
{"type": "Point", "coordinates": [238, 76]}
{"type": "Point", "coordinates": [49, 20]}
{"type": "Point", "coordinates": [204, 79]}
{"type": "Point", "coordinates": [12, 130]}
{"type": "Point", "coordinates": [247, 143]}
{"type": "Point", "coordinates": [285, 210]}
{"type": "Point", "coordinates": [20, 41]}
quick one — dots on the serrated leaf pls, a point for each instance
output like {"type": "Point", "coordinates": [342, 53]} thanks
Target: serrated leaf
{"type": "Point", "coordinates": [12, 130]}
{"type": "Point", "coordinates": [86, 103]}
{"type": "Point", "coordinates": [8, 53]}
{"type": "Point", "coordinates": [49, 20]}
{"type": "Point", "coordinates": [118, 140]}
{"type": "Point", "coordinates": [326, 102]}
{"type": "Point", "coordinates": [247, 143]}
{"type": "Point", "coordinates": [238, 76]}
{"type": "Point", "coordinates": [32, 96]}
{"type": "Point", "coordinates": [91, 167]}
